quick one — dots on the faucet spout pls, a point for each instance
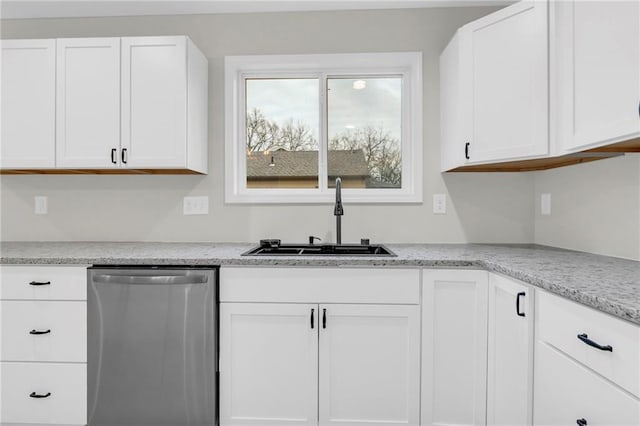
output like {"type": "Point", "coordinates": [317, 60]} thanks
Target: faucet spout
{"type": "Point", "coordinates": [338, 211]}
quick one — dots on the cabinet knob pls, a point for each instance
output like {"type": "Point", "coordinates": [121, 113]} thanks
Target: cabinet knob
{"type": "Point", "coordinates": [37, 332]}
{"type": "Point", "coordinates": [114, 160]}
{"type": "Point", "coordinates": [466, 150]}
{"type": "Point", "coordinates": [312, 318]}
{"type": "Point", "coordinates": [324, 318]}
{"type": "Point", "coordinates": [124, 155]}
{"type": "Point", "coordinates": [581, 422]}
{"type": "Point", "coordinates": [40, 283]}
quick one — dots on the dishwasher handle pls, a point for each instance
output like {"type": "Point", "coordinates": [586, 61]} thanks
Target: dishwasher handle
{"type": "Point", "coordinates": [151, 279]}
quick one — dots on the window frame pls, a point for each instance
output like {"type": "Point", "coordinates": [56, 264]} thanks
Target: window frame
{"type": "Point", "coordinates": [407, 65]}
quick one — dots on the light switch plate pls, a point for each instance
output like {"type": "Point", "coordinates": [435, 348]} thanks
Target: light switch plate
{"type": "Point", "coordinates": [439, 203]}
{"type": "Point", "coordinates": [196, 205]}
{"type": "Point", "coordinates": [545, 204]}
{"type": "Point", "coordinates": [40, 204]}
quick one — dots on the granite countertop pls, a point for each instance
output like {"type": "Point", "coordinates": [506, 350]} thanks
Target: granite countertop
{"type": "Point", "coordinates": [605, 283]}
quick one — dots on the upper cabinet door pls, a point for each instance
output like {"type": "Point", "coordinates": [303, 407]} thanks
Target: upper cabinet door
{"type": "Point", "coordinates": [596, 49]}
{"type": "Point", "coordinates": [28, 104]}
{"type": "Point", "coordinates": [154, 102]}
{"type": "Point", "coordinates": [88, 102]}
{"type": "Point", "coordinates": [506, 80]}
{"type": "Point", "coordinates": [369, 365]}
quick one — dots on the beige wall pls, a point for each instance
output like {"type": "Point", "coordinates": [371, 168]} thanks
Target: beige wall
{"type": "Point", "coordinates": [481, 208]}
{"type": "Point", "coordinates": [595, 207]}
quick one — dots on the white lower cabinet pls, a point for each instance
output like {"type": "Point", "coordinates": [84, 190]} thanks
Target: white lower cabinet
{"type": "Point", "coordinates": [369, 365]}
{"type": "Point", "coordinates": [454, 347]}
{"type": "Point", "coordinates": [268, 364]}
{"type": "Point", "coordinates": [299, 363]}
{"type": "Point", "coordinates": [587, 366]}
{"type": "Point", "coordinates": [43, 345]}
{"type": "Point", "coordinates": [568, 393]}
{"type": "Point", "coordinates": [510, 353]}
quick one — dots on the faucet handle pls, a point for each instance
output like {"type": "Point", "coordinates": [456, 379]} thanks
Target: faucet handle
{"type": "Point", "coordinates": [312, 238]}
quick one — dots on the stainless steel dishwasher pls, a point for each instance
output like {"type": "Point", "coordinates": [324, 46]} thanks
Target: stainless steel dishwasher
{"type": "Point", "coordinates": [152, 346]}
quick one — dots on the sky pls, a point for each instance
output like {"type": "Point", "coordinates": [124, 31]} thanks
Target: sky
{"type": "Point", "coordinates": [378, 104]}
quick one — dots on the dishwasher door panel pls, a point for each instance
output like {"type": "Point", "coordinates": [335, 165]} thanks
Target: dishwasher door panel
{"type": "Point", "coordinates": [152, 347]}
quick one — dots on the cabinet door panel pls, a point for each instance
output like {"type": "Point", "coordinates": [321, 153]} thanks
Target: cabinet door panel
{"type": "Point", "coordinates": [154, 101]}
{"type": "Point", "coordinates": [597, 54]}
{"type": "Point", "coordinates": [454, 347]}
{"type": "Point", "coordinates": [508, 83]}
{"type": "Point", "coordinates": [369, 365]}
{"type": "Point", "coordinates": [28, 104]}
{"type": "Point", "coordinates": [510, 353]}
{"type": "Point", "coordinates": [88, 102]}
{"type": "Point", "coordinates": [268, 364]}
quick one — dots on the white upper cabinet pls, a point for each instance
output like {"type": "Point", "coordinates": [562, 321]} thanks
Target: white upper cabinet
{"type": "Point", "coordinates": [28, 104]}
{"type": "Point", "coordinates": [136, 103]}
{"type": "Point", "coordinates": [510, 353]}
{"type": "Point", "coordinates": [596, 61]}
{"type": "Point", "coordinates": [164, 103]}
{"type": "Point", "coordinates": [494, 78]}
{"type": "Point", "coordinates": [88, 102]}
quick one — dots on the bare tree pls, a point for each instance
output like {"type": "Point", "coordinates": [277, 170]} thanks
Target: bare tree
{"type": "Point", "coordinates": [267, 135]}
{"type": "Point", "coordinates": [381, 151]}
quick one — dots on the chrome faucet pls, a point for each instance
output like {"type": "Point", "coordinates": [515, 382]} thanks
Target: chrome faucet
{"type": "Point", "coordinates": [338, 211]}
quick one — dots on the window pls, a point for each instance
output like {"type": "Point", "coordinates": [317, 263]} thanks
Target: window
{"type": "Point", "coordinates": [295, 123]}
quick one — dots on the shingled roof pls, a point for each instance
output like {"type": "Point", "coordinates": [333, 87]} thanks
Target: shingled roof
{"type": "Point", "coordinates": [304, 164]}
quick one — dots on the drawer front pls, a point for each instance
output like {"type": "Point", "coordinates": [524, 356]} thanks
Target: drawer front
{"type": "Point", "coordinates": [43, 283]}
{"type": "Point", "coordinates": [43, 331]}
{"type": "Point", "coordinates": [66, 384]}
{"type": "Point", "coordinates": [566, 392]}
{"type": "Point", "coordinates": [320, 285]}
{"type": "Point", "coordinates": [559, 322]}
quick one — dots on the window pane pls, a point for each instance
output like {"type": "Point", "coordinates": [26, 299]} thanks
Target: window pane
{"type": "Point", "coordinates": [282, 132]}
{"type": "Point", "coordinates": [365, 132]}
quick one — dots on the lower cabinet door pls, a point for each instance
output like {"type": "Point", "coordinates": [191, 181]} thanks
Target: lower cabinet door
{"type": "Point", "coordinates": [268, 364]}
{"type": "Point", "coordinates": [567, 393]}
{"type": "Point", "coordinates": [369, 365]}
{"type": "Point", "coordinates": [510, 353]}
{"type": "Point", "coordinates": [38, 393]}
{"type": "Point", "coordinates": [454, 347]}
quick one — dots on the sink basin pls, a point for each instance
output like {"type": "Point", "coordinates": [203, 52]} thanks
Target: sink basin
{"type": "Point", "coordinates": [319, 250]}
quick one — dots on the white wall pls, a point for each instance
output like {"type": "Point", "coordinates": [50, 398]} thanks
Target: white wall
{"type": "Point", "coordinates": [595, 207]}
{"type": "Point", "coordinates": [482, 207]}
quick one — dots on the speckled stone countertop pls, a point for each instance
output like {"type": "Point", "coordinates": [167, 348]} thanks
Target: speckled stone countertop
{"type": "Point", "coordinates": [606, 283]}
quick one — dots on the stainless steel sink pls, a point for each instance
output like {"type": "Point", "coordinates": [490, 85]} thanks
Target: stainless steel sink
{"type": "Point", "coordinates": [271, 248]}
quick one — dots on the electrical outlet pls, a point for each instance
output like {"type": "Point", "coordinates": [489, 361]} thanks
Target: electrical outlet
{"type": "Point", "coordinates": [545, 204]}
{"type": "Point", "coordinates": [196, 205]}
{"type": "Point", "coordinates": [40, 204]}
{"type": "Point", "coordinates": [439, 203]}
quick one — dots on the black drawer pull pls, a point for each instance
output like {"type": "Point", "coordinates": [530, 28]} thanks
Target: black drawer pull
{"type": "Point", "coordinates": [591, 343]}
{"type": "Point", "coordinates": [466, 150]}
{"type": "Point", "coordinates": [113, 156]}
{"type": "Point", "coordinates": [312, 315]}
{"type": "Point", "coordinates": [35, 395]}
{"type": "Point", "coordinates": [39, 332]}
{"type": "Point", "coordinates": [518, 296]}
{"type": "Point", "coordinates": [124, 155]}
{"type": "Point", "coordinates": [324, 318]}
{"type": "Point", "coordinates": [581, 422]}
{"type": "Point", "coordinates": [40, 283]}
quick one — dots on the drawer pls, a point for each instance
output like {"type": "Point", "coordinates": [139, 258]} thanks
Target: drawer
{"type": "Point", "coordinates": [566, 391]}
{"type": "Point", "coordinates": [320, 285]}
{"type": "Point", "coordinates": [66, 323]}
{"type": "Point", "coordinates": [59, 282]}
{"type": "Point", "coordinates": [66, 384]}
{"type": "Point", "coordinates": [560, 321]}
